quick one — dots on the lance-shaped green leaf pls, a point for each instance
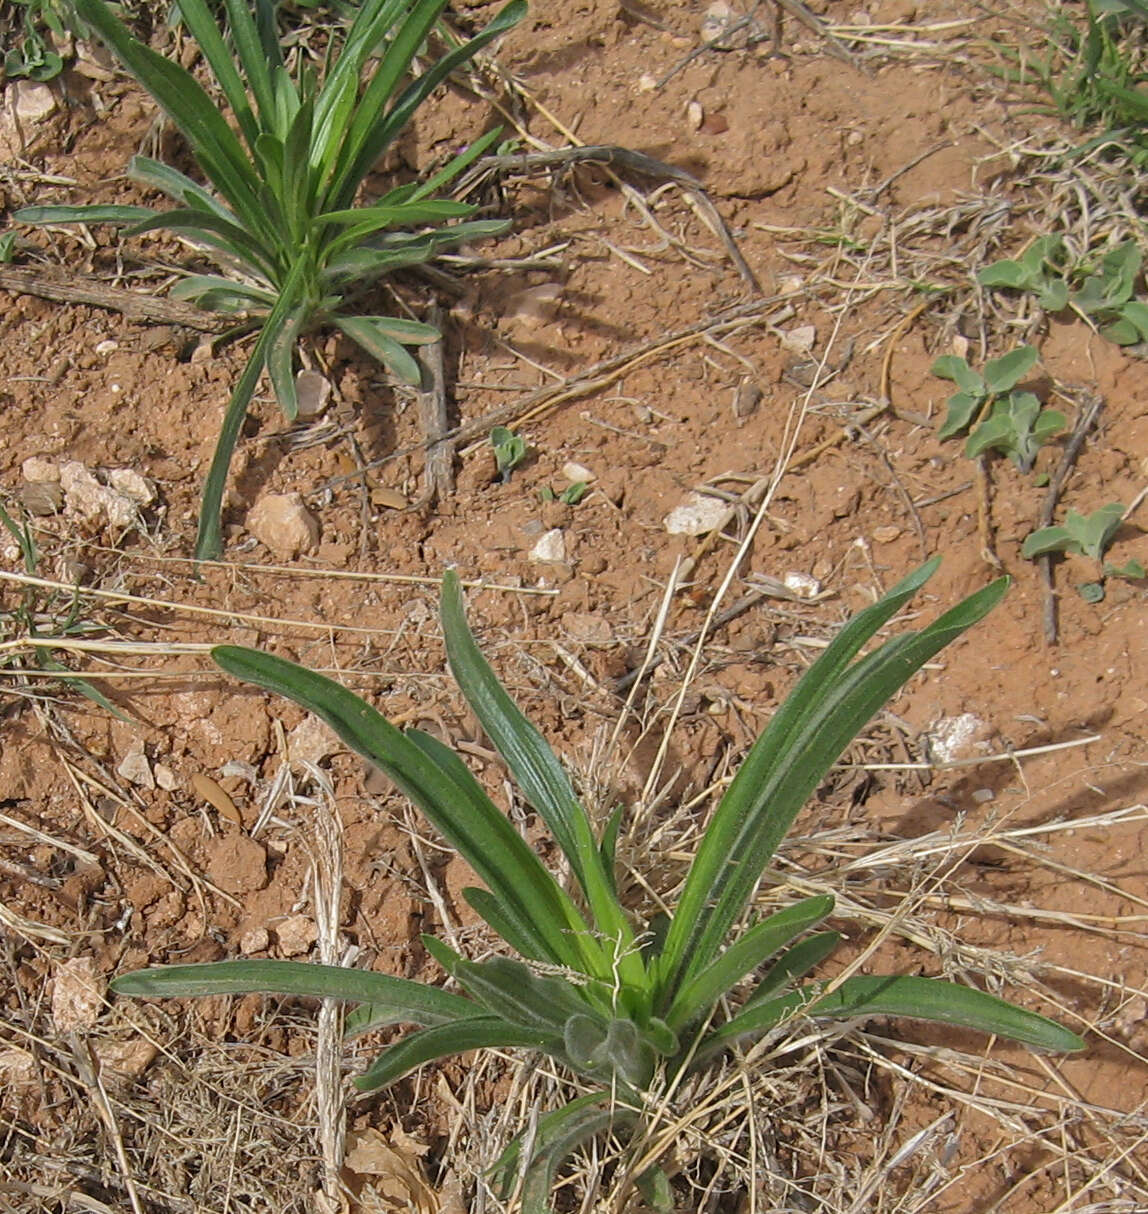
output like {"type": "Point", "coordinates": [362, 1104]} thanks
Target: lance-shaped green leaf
{"type": "Point", "coordinates": [831, 704]}
{"type": "Point", "coordinates": [84, 214]}
{"type": "Point", "coordinates": [556, 1136]}
{"type": "Point", "coordinates": [755, 946]}
{"type": "Point", "coordinates": [793, 964]}
{"type": "Point", "coordinates": [397, 1000]}
{"type": "Point", "coordinates": [916, 998]}
{"type": "Point", "coordinates": [540, 776]}
{"type": "Point", "coordinates": [508, 989]}
{"type": "Point", "coordinates": [446, 1040]}
{"type": "Point", "coordinates": [457, 807]}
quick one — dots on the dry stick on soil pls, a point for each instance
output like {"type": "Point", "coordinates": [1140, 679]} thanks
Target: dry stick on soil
{"type": "Point", "coordinates": [984, 513]}
{"type": "Point", "coordinates": [625, 159]}
{"type": "Point", "coordinates": [1084, 423]}
{"type": "Point", "coordinates": [326, 896]}
{"type": "Point", "coordinates": [434, 418]}
{"type": "Point", "coordinates": [135, 305]}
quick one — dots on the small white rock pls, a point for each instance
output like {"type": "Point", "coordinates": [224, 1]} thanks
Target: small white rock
{"type": "Point", "coordinates": [313, 392]}
{"type": "Point", "coordinates": [799, 340]}
{"type": "Point", "coordinates": [130, 484]}
{"type": "Point", "coordinates": [165, 778]}
{"type": "Point", "coordinates": [958, 737]}
{"type": "Point", "coordinates": [535, 306]}
{"type": "Point", "coordinates": [37, 469]}
{"type": "Point", "coordinates": [801, 585]}
{"type": "Point", "coordinates": [34, 102]}
{"type": "Point", "coordinates": [697, 515]}
{"type": "Point", "coordinates": [86, 497]}
{"type": "Point", "coordinates": [295, 935]}
{"type": "Point", "coordinates": [311, 741]}
{"type": "Point", "coordinates": [695, 115]}
{"type": "Point", "coordinates": [551, 546]}
{"type": "Point", "coordinates": [576, 473]}
{"type": "Point", "coordinates": [647, 83]}
{"type": "Point", "coordinates": [254, 941]}
{"type": "Point", "coordinates": [77, 995]}
{"type": "Point", "coordinates": [281, 522]}
{"type": "Point", "coordinates": [106, 346]}
{"type": "Point", "coordinates": [135, 768]}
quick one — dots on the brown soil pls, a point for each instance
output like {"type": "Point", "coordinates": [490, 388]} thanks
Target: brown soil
{"type": "Point", "coordinates": [823, 172]}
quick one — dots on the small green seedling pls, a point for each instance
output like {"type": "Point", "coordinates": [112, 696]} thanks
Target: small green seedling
{"type": "Point", "coordinates": [1086, 535]}
{"type": "Point", "coordinates": [570, 496]}
{"type": "Point", "coordinates": [1106, 296]}
{"type": "Point", "coordinates": [7, 246]}
{"type": "Point", "coordinates": [629, 1006]}
{"type": "Point", "coordinates": [509, 450]}
{"type": "Point", "coordinates": [978, 392]}
{"type": "Point", "coordinates": [1017, 426]}
{"type": "Point", "coordinates": [32, 54]}
{"type": "Point", "coordinates": [1038, 271]}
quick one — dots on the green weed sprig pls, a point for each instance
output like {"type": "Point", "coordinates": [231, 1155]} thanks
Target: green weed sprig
{"type": "Point", "coordinates": [640, 1000]}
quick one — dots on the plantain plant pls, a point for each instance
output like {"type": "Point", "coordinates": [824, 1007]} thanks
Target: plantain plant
{"type": "Point", "coordinates": [279, 215]}
{"type": "Point", "coordinates": [624, 1005]}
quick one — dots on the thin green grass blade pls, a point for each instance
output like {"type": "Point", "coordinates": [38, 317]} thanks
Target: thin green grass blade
{"type": "Point", "coordinates": [202, 26]}
{"type": "Point", "coordinates": [215, 232]}
{"type": "Point", "coordinates": [456, 165]}
{"type": "Point", "coordinates": [225, 294]}
{"type": "Point", "coordinates": [507, 989]}
{"type": "Point", "coordinates": [540, 776]}
{"type": "Point", "coordinates": [833, 704]}
{"type": "Point", "coordinates": [916, 998]}
{"type": "Point", "coordinates": [755, 946]}
{"type": "Point", "coordinates": [367, 137]}
{"type": "Point", "coordinates": [259, 57]}
{"type": "Point", "coordinates": [407, 1002]}
{"type": "Point", "coordinates": [209, 542]}
{"type": "Point", "coordinates": [281, 359]}
{"type": "Point", "coordinates": [398, 214]}
{"type": "Point", "coordinates": [474, 827]}
{"type": "Point", "coordinates": [520, 931]}
{"type": "Point", "coordinates": [356, 155]}
{"type": "Point", "coordinates": [502, 920]}
{"type": "Point", "coordinates": [176, 185]}
{"type": "Point", "coordinates": [446, 1040]}
{"type": "Point", "coordinates": [557, 1136]}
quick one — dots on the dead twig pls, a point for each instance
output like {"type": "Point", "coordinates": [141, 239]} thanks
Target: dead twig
{"type": "Point", "coordinates": [1084, 423]}
{"type": "Point", "coordinates": [626, 159]}
{"type": "Point", "coordinates": [135, 305]}
{"type": "Point", "coordinates": [434, 418]}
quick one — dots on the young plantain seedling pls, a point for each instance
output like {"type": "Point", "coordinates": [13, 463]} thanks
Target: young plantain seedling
{"type": "Point", "coordinates": [1039, 271]}
{"type": "Point", "coordinates": [1086, 535]}
{"type": "Point", "coordinates": [509, 450]}
{"type": "Point", "coordinates": [978, 392]}
{"type": "Point", "coordinates": [1106, 296]}
{"type": "Point", "coordinates": [626, 1006]}
{"type": "Point", "coordinates": [280, 217]}
{"type": "Point", "coordinates": [1018, 427]}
